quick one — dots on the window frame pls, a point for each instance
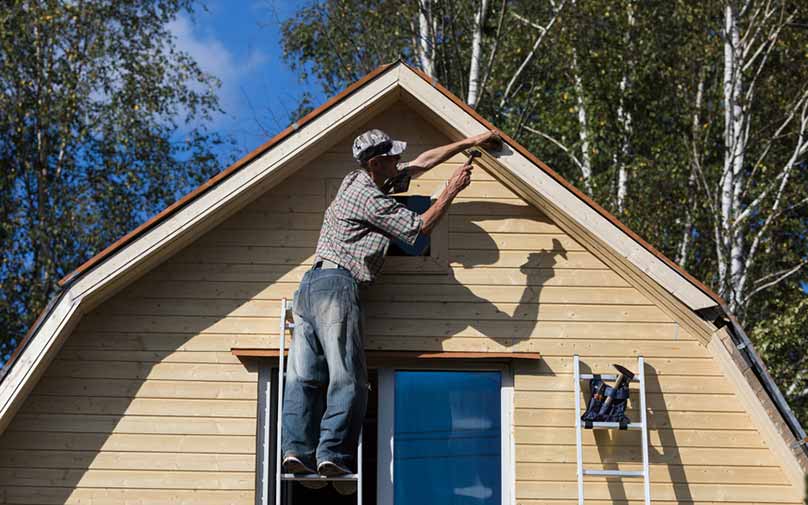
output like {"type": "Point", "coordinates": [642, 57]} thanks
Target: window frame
{"type": "Point", "coordinates": [385, 426]}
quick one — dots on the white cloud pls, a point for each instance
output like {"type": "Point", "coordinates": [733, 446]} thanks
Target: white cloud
{"type": "Point", "coordinates": [214, 58]}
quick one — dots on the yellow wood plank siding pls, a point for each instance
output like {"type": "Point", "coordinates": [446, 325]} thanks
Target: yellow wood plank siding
{"type": "Point", "coordinates": [146, 403]}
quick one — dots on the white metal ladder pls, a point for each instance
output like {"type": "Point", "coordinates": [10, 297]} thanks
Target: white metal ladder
{"type": "Point", "coordinates": [642, 426]}
{"type": "Point", "coordinates": [287, 323]}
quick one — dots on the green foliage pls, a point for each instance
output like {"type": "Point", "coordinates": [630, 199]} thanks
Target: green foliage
{"type": "Point", "coordinates": [96, 99]}
{"type": "Point", "coordinates": [781, 341]}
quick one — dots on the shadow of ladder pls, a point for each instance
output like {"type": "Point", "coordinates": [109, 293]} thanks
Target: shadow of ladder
{"type": "Point", "coordinates": [642, 426]}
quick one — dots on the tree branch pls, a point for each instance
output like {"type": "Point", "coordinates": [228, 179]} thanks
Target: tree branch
{"type": "Point", "coordinates": [559, 144]}
{"type": "Point", "coordinates": [529, 57]}
{"type": "Point", "coordinates": [781, 276]}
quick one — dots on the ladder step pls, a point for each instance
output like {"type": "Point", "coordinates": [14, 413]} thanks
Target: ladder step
{"type": "Point", "coordinates": [605, 376]}
{"type": "Point", "coordinates": [314, 476]}
{"type": "Point", "coordinates": [612, 426]}
{"type": "Point", "coordinates": [616, 473]}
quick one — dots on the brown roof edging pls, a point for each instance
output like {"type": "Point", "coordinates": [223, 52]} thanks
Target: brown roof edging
{"type": "Point", "coordinates": [174, 207]}
{"type": "Point", "coordinates": [23, 343]}
{"type": "Point", "coordinates": [344, 94]}
{"type": "Point", "coordinates": [564, 182]}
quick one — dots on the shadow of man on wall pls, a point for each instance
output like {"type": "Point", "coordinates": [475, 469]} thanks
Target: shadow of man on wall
{"type": "Point", "coordinates": [483, 305]}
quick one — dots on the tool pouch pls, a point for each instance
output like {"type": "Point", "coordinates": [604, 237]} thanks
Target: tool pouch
{"type": "Point", "coordinates": [615, 412]}
{"type": "Point", "coordinates": [595, 403]}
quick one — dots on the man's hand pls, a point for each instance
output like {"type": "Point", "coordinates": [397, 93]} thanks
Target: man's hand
{"type": "Point", "coordinates": [488, 140]}
{"type": "Point", "coordinates": [428, 159]}
{"type": "Point", "coordinates": [459, 180]}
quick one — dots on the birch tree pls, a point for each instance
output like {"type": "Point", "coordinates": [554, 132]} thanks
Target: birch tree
{"type": "Point", "coordinates": [624, 116]}
{"type": "Point", "coordinates": [475, 77]}
{"type": "Point", "coordinates": [341, 41]}
{"type": "Point", "coordinates": [425, 43]}
{"type": "Point", "coordinates": [753, 188]}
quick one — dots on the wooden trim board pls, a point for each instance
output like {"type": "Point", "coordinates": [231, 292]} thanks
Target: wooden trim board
{"type": "Point", "coordinates": [405, 355]}
{"type": "Point", "coordinates": [749, 398]}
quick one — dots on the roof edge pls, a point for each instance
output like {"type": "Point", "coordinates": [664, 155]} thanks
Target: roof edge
{"type": "Point", "coordinates": [255, 153]}
{"type": "Point", "coordinates": [744, 345]}
{"type": "Point", "coordinates": [41, 318]}
{"type": "Point", "coordinates": [64, 282]}
{"type": "Point", "coordinates": [569, 186]}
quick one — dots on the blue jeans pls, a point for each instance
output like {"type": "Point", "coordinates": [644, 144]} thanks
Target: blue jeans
{"type": "Point", "coordinates": [326, 392]}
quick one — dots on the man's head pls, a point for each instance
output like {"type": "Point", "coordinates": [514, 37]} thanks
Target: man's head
{"type": "Point", "coordinates": [378, 153]}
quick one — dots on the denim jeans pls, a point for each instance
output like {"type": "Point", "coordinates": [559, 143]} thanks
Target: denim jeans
{"type": "Point", "coordinates": [325, 396]}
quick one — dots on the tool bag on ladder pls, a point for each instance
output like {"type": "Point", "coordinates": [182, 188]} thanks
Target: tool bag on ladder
{"type": "Point", "coordinates": [599, 410]}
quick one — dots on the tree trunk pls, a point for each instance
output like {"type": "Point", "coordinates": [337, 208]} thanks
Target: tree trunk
{"type": "Point", "coordinates": [583, 124]}
{"type": "Point", "coordinates": [425, 47]}
{"type": "Point", "coordinates": [476, 53]}
{"type": "Point", "coordinates": [732, 239]}
{"type": "Point", "coordinates": [624, 117]}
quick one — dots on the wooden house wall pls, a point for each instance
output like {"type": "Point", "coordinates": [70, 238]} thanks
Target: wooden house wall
{"type": "Point", "coordinates": [145, 402]}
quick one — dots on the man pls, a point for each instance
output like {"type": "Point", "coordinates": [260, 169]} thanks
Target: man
{"type": "Point", "coordinates": [322, 428]}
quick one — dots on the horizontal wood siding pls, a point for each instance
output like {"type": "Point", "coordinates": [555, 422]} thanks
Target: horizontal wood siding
{"type": "Point", "coordinates": [145, 402]}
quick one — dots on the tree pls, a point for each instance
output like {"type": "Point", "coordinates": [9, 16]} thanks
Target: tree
{"type": "Point", "coordinates": [102, 125]}
{"type": "Point", "coordinates": [760, 157]}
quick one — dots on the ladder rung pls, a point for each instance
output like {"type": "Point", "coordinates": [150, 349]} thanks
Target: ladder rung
{"type": "Point", "coordinates": [612, 426]}
{"type": "Point", "coordinates": [314, 476]}
{"type": "Point", "coordinates": [605, 376]}
{"type": "Point", "coordinates": [616, 473]}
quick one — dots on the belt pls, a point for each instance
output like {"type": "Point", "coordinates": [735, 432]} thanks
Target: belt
{"type": "Point", "coordinates": [325, 264]}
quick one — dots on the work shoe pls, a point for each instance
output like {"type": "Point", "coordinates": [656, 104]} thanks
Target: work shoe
{"type": "Point", "coordinates": [292, 464]}
{"type": "Point", "coordinates": [331, 469]}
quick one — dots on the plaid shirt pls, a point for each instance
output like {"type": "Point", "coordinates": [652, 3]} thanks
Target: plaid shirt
{"type": "Point", "coordinates": [358, 226]}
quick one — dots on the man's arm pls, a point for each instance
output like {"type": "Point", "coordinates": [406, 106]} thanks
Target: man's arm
{"type": "Point", "coordinates": [459, 180]}
{"type": "Point", "coordinates": [429, 159]}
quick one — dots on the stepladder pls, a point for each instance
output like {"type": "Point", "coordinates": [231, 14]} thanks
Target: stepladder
{"type": "Point", "coordinates": [287, 325]}
{"type": "Point", "coordinates": [641, 426]}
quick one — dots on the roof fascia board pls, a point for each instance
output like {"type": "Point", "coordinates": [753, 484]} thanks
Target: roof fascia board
{"type": "Point", "coordinates": [181, 228]}
{"type": "Point", "coordinates": [255, 178]}
{"type": "Point", "coordinates": [551, 190]}
{"type": "Point", "coordinates": [280, 137]}
{"type": "Point", "coordinates": [764, 418]}
{"type": "Point", "coordinates": [33, 361]}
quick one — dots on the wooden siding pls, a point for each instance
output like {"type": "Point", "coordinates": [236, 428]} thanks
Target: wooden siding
{"type": "Point", "coordinates": [145, 402]}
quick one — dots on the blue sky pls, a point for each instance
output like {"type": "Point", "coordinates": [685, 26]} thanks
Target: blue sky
{"type": "Point", "coordinates": [239, 42]}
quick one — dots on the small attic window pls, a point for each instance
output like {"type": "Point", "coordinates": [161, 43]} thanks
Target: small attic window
{"type": "Point", "coordinates": [429, 255]}
{"type": "Point", "coordinates": [419, 204]}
